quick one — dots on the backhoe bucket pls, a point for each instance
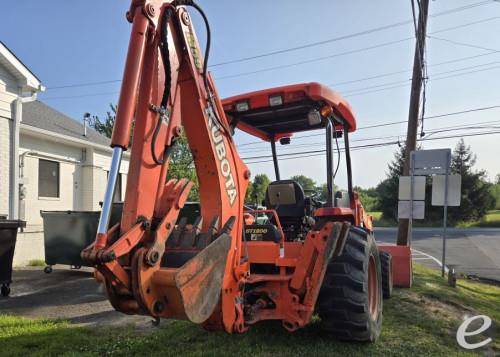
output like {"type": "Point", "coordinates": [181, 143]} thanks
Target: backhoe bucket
{"type": "Point", "coordinates": [199, 280]}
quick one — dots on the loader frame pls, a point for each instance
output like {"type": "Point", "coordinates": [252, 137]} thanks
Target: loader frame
{"type": "Point", "coordinates": [152, 264]}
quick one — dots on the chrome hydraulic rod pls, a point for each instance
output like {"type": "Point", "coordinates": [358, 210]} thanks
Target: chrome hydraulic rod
{"type": "Point", "coordinates": [110, 190]}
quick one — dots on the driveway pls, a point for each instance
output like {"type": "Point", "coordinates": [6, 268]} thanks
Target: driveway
{"type": "Point", "coordinates": [471, 251]}
{"type": "Point", "coordinates": [72, 295]}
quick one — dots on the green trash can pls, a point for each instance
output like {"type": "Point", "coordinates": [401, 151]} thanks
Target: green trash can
{"type": "Point", "coordinates": [67, 233]}
{"type": "Point", "coordinates": [8, 237]}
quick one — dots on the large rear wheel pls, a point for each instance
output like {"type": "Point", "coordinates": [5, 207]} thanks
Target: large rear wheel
{"type": "Point", "coordinates": [350, 300]}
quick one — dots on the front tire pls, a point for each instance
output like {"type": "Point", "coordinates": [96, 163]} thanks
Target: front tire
{"type": "Point", "coordinates": [350, 300]}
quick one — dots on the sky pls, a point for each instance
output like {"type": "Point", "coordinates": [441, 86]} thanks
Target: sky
{"type": "Point", "coordinates": [70, 43]}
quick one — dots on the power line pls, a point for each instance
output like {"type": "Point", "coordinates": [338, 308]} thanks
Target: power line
{"type": "Point", "coordinates": [315, 44]}
{"type": "Point", "coordinates": [362, 91]}
{"type": "Point", "coordinates": [322, 147]}
{"type": "Point", "coordinates": [491, 50]}
{"type": "Point", "coordinates": [479, 125]}
{"type": "Point", "coordinates": [475, 125]}
{"type": "Point", "coordinates": [344, 37]}
{"type": "Point", "coordinates": [88, 84]}
{"type": "Point", "coordinates": [436, 74]}
{"type": "Point", "coordinates": [353, 92]}
{"type": "Point", "coordinates": [388, 74]}
{"type": "Point", "coordinates": [313, 153]}
{"type": "Point", "coordinates": [468, 24]}
{"type": "Point", "coordinates": [394, 122]}
{"type": "Point", "coordinates": [81, 96]}
{"type": "Point", "coordinates": [268, 69]}
{"type": "Point", "coordinates": [273, 68]}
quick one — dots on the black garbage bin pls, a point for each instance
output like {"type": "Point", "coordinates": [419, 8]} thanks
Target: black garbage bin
{"type": "Point", "coordinates": [66, 234]}
{"type": "Point", "coordinates": [8, 236]}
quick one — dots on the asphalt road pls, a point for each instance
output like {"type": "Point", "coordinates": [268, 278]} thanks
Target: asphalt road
{"type": "Point", "coordinates": [471, 251]}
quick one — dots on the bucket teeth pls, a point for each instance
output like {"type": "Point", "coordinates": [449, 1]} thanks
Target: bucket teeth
{"type": "Point", "coordinates": [174, 239]}
{"type": "Point", "coordinates": [204, 239]}
{"type": "Point", "coordinates": [189, 235]}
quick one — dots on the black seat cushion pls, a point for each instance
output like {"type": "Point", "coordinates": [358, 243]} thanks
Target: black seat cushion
{"type": "Point", "coordinates": [287, 198]}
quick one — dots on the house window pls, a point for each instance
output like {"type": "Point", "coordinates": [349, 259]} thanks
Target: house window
{"type": "Point", "coordinates": [48, 178]}
{"type": "Point", "coordinates": [117, 197]}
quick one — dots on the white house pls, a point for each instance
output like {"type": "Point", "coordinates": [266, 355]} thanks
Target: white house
{"type": "Point", "coordinates": [48, 161]}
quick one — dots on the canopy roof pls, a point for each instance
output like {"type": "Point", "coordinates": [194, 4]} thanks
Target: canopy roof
{"type": "Point", "coordinates": [268, 117]}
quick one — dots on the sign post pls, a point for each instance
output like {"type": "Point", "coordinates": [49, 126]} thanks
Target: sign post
{"type": "Point", "coordinates": [445, 210]}
{"type": "Point", "coordinates": [437, 163]}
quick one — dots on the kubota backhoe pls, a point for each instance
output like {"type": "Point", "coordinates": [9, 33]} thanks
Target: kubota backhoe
{"type": "Point", "coordinates": [228, 270]}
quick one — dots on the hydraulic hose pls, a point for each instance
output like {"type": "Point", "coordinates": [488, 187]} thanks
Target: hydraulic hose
{"type": "Point", "coordinates": [165, 55]}
{"type": "Point", "coordinates": [207, 52]}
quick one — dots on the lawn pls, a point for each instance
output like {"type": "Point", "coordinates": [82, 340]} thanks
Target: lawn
{"type": "Point", "coordinates": [417, 322]}
{"type": "Point", "coordinates": [490, 220]}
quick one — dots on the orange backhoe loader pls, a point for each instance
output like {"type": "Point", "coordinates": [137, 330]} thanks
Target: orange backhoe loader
{"type": "Point", "coordinates": [229, 268]}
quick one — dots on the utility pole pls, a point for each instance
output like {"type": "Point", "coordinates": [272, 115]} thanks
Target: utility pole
{"type": "Point", "coordinates": [416, 88]}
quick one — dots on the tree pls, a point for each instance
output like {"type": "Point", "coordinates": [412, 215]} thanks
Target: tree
{"type": "Point", "coordinates": [256, 191]}
{"type": "Point", "coordinates": [477, 197]}
{"type": "Point", "coordinates": [368, 197]}
{"type": "Point", "coordinates": [307, 183]}
{"type": "Point", "coordinates": [495, 191]}
{"type": "Point", "coordinates": [182, 165]}
{"type": "Point", "coordinates": [104, 127]}
{"type": "Point", "coordinates": [387, 190]}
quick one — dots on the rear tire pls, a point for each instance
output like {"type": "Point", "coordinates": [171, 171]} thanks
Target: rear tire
{"type": "Point", "coordinates": [350, 300]}
{"type": "Point", "coordinates": [386, 267]}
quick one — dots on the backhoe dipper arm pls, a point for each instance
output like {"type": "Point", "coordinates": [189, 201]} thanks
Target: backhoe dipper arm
{"type": "Point", "coordinates": [166, 87]}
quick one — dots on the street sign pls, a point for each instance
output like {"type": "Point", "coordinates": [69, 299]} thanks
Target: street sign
{"type": "Point", "coordinates": [433, 162]}
{"type": "Point", "coordinates": [454, 190]}
{"type": "Point", "coordinates": [405, 211]}
{"type": "Point", "coordinates": [405, 188]}
{"type": "Point", "coordinates": [428, 162]}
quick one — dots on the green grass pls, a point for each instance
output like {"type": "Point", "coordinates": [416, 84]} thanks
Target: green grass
{"type": "Point", "coordinates": [36, 263]}
{"type": "Point", "coordinates": [378, 221]}
{"type": "Point", "coordinates": [490, 220]}
{"type": "Point", "coordinates": [417, 322]}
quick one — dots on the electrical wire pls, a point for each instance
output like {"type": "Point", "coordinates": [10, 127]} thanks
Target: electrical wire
{"type": "Point", "coordinates": [312, 153]}
{"type": "Point", "coordinates": [462, 8]}
{"type": "Point", "coordinates": [475, 125]}
{"type": "Point", "coordinates": [465, 111]}
{"type": "Point", "coordinates": [344, 37]}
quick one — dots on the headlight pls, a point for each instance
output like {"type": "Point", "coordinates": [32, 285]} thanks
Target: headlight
{"type": "Point", "coordinates": [242, 106]}
{"type": "Point", "coordinates": [275, 100]}
{"type": "Point", "coordinates": [313, 117]}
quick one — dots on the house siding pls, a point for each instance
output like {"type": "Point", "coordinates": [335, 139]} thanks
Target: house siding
{"type": "Point", "coordinates": [8, 94]}
{"type": "Point", "coordinates": [70, 177]}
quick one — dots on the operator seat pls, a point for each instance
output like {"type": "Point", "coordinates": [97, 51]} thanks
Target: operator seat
{"type": "Point", "coordinates": [287, 198]}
